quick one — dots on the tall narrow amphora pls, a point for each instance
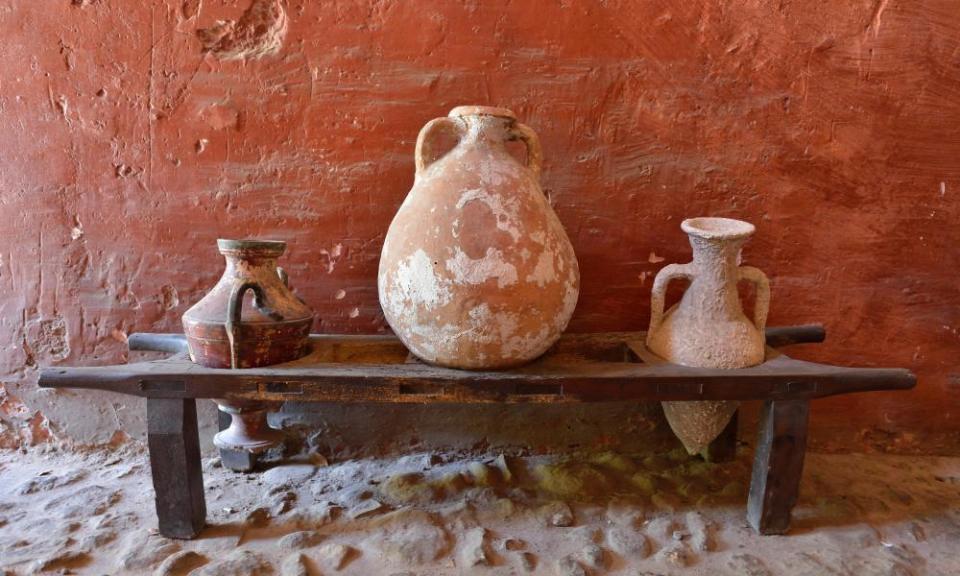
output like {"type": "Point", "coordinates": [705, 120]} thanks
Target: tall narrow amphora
{"type": "Point", "coordinates": [476, 270]}
{"type": "Point", "coordinates": [708, 328]}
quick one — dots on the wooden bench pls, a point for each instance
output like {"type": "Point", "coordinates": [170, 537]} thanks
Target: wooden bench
{"type": "Point", "coordinates": [579, 368]}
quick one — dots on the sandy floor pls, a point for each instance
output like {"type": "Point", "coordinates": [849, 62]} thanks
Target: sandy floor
{"type": "Point", "coordinates": [444, 513]}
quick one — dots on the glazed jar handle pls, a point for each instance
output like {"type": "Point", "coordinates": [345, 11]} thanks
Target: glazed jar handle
{"type": "Point", "coordinates": [534, 151]}
{"type": "Point", "coordinates": [761, 306]}
{"type": "Point", "coordinates": [234, 310]}
{"type": "Point", "coordinates": [659, 292]}
{"type": "Point", "coordinates": [423, 139]}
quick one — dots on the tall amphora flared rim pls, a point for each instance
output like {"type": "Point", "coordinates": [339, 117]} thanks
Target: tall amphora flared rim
{"type": "Point", "coordinates": [717, 228]}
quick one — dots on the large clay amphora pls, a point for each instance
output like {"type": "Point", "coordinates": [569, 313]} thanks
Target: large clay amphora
{"type": "Point", "coordinates": [476, 270]}
{"type": "Point", "coordinates": [708, 328]}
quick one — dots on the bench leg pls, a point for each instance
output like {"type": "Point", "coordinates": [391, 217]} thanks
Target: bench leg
{"type": "Point", "coordinates": [175, 464]}
{"type": "Point", "coordinates": [724, 447]}
{"type": "Point", "coordinates": [778, 465]}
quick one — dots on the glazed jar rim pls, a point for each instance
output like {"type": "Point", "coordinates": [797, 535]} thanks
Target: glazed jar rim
{"type": "Point", "coordinates": [717, 228]}
{"type": "Point", "coordinates": [473, 110]}
{"type": "Point", "coordinates": [268, 247]}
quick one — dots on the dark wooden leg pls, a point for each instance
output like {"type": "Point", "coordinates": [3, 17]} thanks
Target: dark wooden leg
{"type": "Point", "coordinates": [778, 464]}
{"type": "Point", "coordinates": [175, 463]}
{"type": "Point", "coordinates": [724, 447]}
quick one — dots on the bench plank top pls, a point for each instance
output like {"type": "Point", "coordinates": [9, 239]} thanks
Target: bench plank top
{"type": "Point", "coordinates": [579, 368]}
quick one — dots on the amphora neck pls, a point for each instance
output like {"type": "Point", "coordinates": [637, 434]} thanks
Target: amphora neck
{"type": "Point", "coordinates": [485, 125]}
{"type": "Point", "coordinates": [717, 258]}
{"type": "Point", "coordinates": [717, 244]}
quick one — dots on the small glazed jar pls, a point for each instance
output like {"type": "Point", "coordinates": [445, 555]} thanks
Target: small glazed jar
{"type": "Point", "coordinates": [222, 333]}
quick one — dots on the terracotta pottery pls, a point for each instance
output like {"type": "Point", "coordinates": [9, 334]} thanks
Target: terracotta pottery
{"type": "Point", "coordinates": [708, 328]}
{"type": "Point", "coordinates": [476, 270]}
{"type": "Point", "coordinates": [223, 333]}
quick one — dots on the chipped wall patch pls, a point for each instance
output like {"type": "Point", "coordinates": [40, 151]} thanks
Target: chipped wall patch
{"type": "Point", "coordinates": [259, 32]}
{"type": "Point", "coordinates": [47, 340]}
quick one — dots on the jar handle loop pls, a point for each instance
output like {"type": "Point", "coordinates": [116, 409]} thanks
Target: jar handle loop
{"type": "Point", "coordinates": [659, 292]}
{"type": "Point", "coordinates": [761, 306]}
{"type": "Point", "coordinates": [526, 134]}
{"type": "Point", "coordinates": [424, 150]}
{"type": "Point", "coordinates": [234, 313]}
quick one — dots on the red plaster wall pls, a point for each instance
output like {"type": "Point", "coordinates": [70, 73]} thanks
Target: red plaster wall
{"type": "Point", "coordinates": [835, 127]}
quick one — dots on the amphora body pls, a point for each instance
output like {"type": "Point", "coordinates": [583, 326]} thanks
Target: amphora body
{"type": "Point", "coordinates": [476, 270]}
{"type": "Point", "coordinates": [708, 328]}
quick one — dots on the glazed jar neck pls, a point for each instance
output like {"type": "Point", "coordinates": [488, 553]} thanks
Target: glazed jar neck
{"type": "Point", "coordinates": [484, 130]}
{"type": "Point", "coordinates": [716, 264]}
{"type": "Point", "coordinates": [239, 264]}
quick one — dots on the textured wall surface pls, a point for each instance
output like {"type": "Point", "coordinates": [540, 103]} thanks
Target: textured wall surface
{"type": "Point", "coordinates": [133, 134]}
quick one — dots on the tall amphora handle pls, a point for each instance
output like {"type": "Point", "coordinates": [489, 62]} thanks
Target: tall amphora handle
{"type": "Point", "coordinates": [761, 306]}
{"type": "Point", "coordinates": [659, 292]}
{"type": "Point", "coordinates": [424, 149]}
{"type": "Point", "coordinates": [526, 134]}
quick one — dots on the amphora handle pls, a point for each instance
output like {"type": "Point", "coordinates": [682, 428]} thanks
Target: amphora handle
{"type": "Point", "coordinates": [761, 306]}
{"type": "Point", "coordinates": [526, 135]}
{"type": "Point", "coordinates": [423, 148]}
{"type": "Point", "coordinates": [659, 292]}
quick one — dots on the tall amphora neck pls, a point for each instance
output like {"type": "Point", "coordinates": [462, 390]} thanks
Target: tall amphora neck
{"type": "Point", "coordinates": [717, 244]}
{"type": "Point", "coordinates": [718, 259]}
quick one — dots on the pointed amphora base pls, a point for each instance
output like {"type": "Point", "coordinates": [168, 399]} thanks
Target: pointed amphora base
{"type": "Point", "coordinates": [698, 423]}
